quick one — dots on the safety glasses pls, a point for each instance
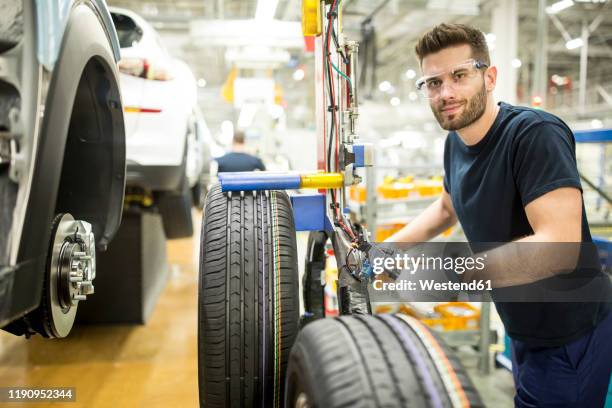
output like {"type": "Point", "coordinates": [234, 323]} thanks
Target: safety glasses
{"type": "Point", "coordinates": [458, 76]}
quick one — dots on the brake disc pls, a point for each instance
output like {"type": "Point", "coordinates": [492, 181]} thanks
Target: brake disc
{"type": "Point", "coordinates": [72, 269]}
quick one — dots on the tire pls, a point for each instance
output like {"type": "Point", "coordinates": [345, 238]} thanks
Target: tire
{"type": "Point", "coordinates": [196, 195]}
{"type": "Point", "coordinates": [248, 298]}
{"type": "Point", "coordinates": [313, 289]}
{"type": "Point", "coordinates": [38, 320]}
{"type": "Point", "coordinates": [375, 361]}
{"type": "Point", "coordinates": [175, 210]}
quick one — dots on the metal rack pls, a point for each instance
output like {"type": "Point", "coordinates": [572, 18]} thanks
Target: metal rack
{"type": "Point", "coordinates": [600, 136]}
{"type": "Point", "coordinates": [369, 212]}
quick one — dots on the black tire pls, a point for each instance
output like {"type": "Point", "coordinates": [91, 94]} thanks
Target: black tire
{"type": "Point", "coordinates": [175, 210]}
{"type": "Point", "coordinates": [39, 320]}
{"type": "Point", "coordinates": [197, 194]}
{"type": "Point", "coordinates": [248, 298]}
{"type": "Point", "coordinates": [199, 191]}
{"type": "Point", "coordinates": [375, 361]}
{"type": "Point", "coordinates": [312, 287]}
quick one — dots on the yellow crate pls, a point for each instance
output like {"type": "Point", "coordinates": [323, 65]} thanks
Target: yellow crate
{"type": "Point", "coordinates": [449, 316]}
{"type": "Point", "coordinates": [385, 231]}
{"type": "Point", "coordinates": [357, 194]}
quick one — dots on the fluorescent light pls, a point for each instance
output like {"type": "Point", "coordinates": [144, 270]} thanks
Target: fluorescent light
{"type": "Point", "coordinates": [558, 6]}
{"type": "Point", "coordinates": [385, 86]}
{"type": "Point", "coordinates": [573, 44]}
{"type": "Point", "coordinates": [516, 63]}
{"type": "Point", "coordinates": [395, 101]}
{"type": "Point", "coordinates": [298, 74]}
{"type": "Point", "coordinates": [247, 114]}
{"type": "Point", "coordinates": [265, 10]}
{"type": "Point", "coordinates": [410, 74]}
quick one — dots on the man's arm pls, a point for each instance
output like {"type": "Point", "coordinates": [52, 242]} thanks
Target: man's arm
{"type": "Point", "coordinates": [556, 220]}
{"type": "Point", "coordinates": [437, 218]}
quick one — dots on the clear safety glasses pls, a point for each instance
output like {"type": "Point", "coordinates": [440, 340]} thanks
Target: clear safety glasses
{"type": "Point", "coordinates": [459, 75]}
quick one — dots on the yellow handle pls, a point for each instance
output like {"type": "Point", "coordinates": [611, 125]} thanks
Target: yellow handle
{"type": "Point", "coordinates": [311, 17]}
{"type": "Point", "coordinates": [322, 180]}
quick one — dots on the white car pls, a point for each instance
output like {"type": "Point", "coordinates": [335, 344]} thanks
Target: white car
{"type": "Point", "coordinates": [165, 134]}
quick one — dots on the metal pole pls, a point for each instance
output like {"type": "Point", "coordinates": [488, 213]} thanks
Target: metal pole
{"type": "Point", "coordinates": [541, 63]}
{"type": "Point", "coordinates": [584, 55]}
{"type": "Point", "coordinates": [505, 27]}
{"type": "Point", "coordinates": [220, 9]}
{"type": "Point", "coordinates": [484, 364]}
{"type": "Point", "coordinates": [370, 204]}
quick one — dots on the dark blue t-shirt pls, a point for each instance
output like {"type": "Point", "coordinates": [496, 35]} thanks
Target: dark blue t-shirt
{"type": "Point", "coordinates": [526, 154]}
{"type": "Point", "coordinates": [236, 161]}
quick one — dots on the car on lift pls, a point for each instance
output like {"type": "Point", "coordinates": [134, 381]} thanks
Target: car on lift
{"type": "Point", "coordinates": [164, 138]}
{"type": "Point", "coordinates": [62, 158]}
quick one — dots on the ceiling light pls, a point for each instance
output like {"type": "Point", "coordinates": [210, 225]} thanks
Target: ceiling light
{"type": "Point", "coordinates": [413, 96]}
{"type": "Point", "coordinates": [298, 74]}
{"type": "Point", "coordinates": [573, 44]}
{"type": "Point", "coordinates": [411, 74]}
{"type": "Point", "coordinates": [596, 124]}
{"type": "Point", "coordinates": [395, 101]}
{"type": "Point", "coordinates": [558, 6]}
{"type": "Point", "coordinates": [516, 63]}
{"type": "Point", "coordinates": [201, 82]}
{"type": "Point", "coordinates": [385, 86]}
{"type": "Point", "coordinates": [265, 10]}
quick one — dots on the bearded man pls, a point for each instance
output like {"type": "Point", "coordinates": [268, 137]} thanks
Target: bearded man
{"type": "Point", "coordinates": [511, 177]}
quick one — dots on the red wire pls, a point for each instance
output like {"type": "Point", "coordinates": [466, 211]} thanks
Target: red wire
{"type": "Point", "coordinates": [324, 121]}
{"type": "Point", "coordinates": [335, 119]}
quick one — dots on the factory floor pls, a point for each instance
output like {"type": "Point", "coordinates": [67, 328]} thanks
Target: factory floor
{"type": "Point", "coordinates": [154, 365]}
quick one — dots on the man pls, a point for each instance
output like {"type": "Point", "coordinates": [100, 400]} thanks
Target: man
{"type": "Point", "coordinates": [238, 159]}
{"type": "Point", "coordinates": [511, 176]}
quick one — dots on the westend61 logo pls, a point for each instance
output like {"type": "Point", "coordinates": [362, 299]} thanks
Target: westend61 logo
{"type": "Point", "coordinates": [413, 263]}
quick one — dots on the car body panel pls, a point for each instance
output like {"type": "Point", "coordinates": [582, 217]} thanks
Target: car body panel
{"type": "Point", "coordinates": [51, 20]}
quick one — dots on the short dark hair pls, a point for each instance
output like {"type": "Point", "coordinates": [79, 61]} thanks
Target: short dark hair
{"type": "Point", "coordinates": [238, 137]}
{"type": "Point", "coordinates": [448, 35]}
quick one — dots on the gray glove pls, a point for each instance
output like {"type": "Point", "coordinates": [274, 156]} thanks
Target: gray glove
{"type": "Point", "coordinates": [374, 251]}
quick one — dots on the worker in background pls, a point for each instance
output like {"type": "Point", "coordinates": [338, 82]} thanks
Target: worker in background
{"type": "Point", "coordinates": [238, 159]}
{"type": "Point", "coordinates": [511, 176]}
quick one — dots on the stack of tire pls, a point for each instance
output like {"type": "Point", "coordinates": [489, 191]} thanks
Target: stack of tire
{"type": "Point", "coordinates": [249, 350]}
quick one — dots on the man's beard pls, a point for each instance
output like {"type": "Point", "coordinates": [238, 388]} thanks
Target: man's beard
{"type": "Point", "coordinates": [474, 109]}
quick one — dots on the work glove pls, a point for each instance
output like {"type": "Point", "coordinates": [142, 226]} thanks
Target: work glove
{"type": "Point", "coordinates": [374, 251]}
